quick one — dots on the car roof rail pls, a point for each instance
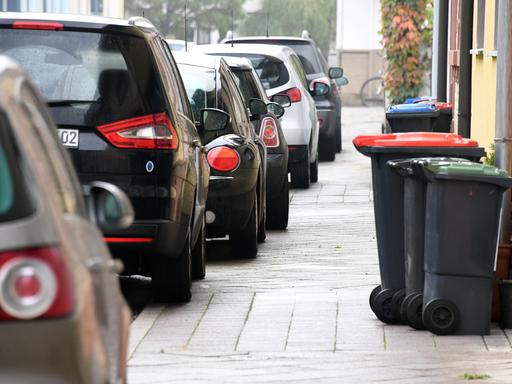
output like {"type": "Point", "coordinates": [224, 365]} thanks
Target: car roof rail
{"type": "Point", "coordinates": [141, 22]}
{"type": "Point", "coordinates": [305, 34]}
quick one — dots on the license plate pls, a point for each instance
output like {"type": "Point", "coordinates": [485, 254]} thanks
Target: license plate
{"type": "Point", "coordinates": [69, 137]}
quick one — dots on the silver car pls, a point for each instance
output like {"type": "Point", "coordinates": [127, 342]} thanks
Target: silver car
{"type": "Point", "coordinates": [281, 73]}
{"type": "Point", "coordinates": [62, 316]}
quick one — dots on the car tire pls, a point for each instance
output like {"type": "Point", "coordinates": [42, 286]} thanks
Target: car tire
{"type": "Point", "coordinates": [199, 254]}
{"type": "Point", "coordinates": [278, 209]}
{"type": "Point", "coordinates": [327, 150]}
{"type": "Point", "coordinates": [313, 172]}
{"type": "Point", "coordinates": [244, 243]}
{"type": "Point", "coordinates": [339, 143]}
{"type": "Point", "coordinates": [172, 278]}
{"type": "Point", "coordinates": [300, 173]}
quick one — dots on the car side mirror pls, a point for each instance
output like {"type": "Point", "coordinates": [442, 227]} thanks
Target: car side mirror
{"type": "Point", "coordinates": [341, 81]}
{"type": "Point", "coordinates": [213, 119]}
{"type": "Point", "coordinates": [335, 72]}
{"type": "Point", "coordinates": [283, 100]}
{"type": "Point", "coordinates": [320, 89]}
{"type": "Point", "coordinates": [109, 207]}
{"type": "Point", "coordinates": [276, 109]}
{"type": "Point", "coordinates": [257, 108]}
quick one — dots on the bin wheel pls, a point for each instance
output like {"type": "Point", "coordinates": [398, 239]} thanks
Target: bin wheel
{"type": "Point", "coordinates": [403, 307]}
{"type": "Point", "coordinates": [396, 303]}
{"type": "Point", "coordinates": [440, 316]}
{"type": "Point", "coordinates": [415, 311]}
{"type": "Point", "coordinates": [374, 293]}
{"type": "Point", "coordinates": [382, 306]}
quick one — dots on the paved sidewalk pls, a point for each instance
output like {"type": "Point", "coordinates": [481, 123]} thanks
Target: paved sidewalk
{"type": "Point", "coordinates": [299, 312]}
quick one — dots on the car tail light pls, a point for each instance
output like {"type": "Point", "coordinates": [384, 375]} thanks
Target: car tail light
{"type": "Point", "coordinates": [223, 159]}
{"type": "Point", "coordinates": [146, 132]}
{"type": "Point", "coordinates": [269, 133]}
{"type": "Point", "coordinates": [34, 283]}
{"type": "Point", "coordinates": [294, 94]}
{"type": "Point", "coordinates": [38, 25]}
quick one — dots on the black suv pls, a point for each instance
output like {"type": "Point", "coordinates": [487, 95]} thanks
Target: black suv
{"type": "Point", "coordinates": [121, 109]}
{"type": "Point", "coordinates": [317, 70]}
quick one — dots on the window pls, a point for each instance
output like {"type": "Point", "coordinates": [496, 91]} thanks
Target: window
{"type": "Point", "coordinates": [88, 78]}
{"type": "Point", "coordinates": [247, 85]}
{"type": "Point", "coordinates": [299, 70]}
{"type": "Point", "coordinates": [200, 86]}
{"type": "Point", "coordinates": [480, 26]}
{"type": "Point", "coordinates": [496, 23]}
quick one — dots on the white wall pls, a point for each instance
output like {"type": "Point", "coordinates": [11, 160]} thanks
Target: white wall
{"type": "Point", "coordinates": [360, 24]}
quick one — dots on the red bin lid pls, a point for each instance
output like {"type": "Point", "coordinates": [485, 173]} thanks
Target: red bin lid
{"type": "Point", "coordinates": [414, 139]}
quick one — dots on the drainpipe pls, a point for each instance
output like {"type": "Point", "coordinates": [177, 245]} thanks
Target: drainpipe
{"type": "Point", "coordinates": [440, 50]}
{"type": "Point", "coordinates": [466, 41]}
{"type": "Point", "coordinates": [503, 141]}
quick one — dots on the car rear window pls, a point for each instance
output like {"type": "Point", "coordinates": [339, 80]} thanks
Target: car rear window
{"type": "Point", "coordinates": [247, 84]}
{"type": "Point", "coordinates": [88, 78]}
{"type": "Point", "coordinates": [15, 201]}
{"type": "Point", "coordinates": [303, 49]}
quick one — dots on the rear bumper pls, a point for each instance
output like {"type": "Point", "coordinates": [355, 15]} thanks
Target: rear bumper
{"type": "Point", "coordinates": [147, 238]}
{"type": "Point", "coordinates": [297, 154]}
{"type": "Point", "coordinates": [231, 202]}
{"type": "Point", "coordinates": [50, 351]}
{"type": "Point", "coordinates": [277, 173]}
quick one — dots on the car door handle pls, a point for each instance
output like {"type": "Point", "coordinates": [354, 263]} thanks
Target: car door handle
{"type": "Point", "coordinates": [197, 143]}
{"type": "Point", "coordinates": [115, 266]}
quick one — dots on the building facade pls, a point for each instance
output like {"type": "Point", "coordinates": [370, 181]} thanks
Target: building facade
{"type": "Point", "coordinates": [109, 8]}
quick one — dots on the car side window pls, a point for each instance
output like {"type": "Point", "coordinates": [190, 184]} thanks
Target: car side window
{"type": "Point", "coordinates": [238, 103]}
{"type": "Point", "coordinates": [171, 87]}
{"type": "Point", "coordinates": [299, 70]}
{"type": "Point", "coordinates": [184, 105]}
{"type": "Point", "coordinates": [53, 155]}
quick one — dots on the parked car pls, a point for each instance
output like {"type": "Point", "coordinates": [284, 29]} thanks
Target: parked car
{"type": "Point", "coordinates": [268, 127]}
{"type": "Point", "coordinates": [63, 318]}
{"type": "Point", "coordinates": [236, 154]}
{"type": "Point", "coordinates": [117, 97]}
{"type": "Point", "coordinates": [179, 45]}
{"type": "Point", "coordinates": [317, 70]}
{"type": "Point", "coordinates": [281, 73]}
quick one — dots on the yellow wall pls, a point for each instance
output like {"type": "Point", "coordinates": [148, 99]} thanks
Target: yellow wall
{"type": "Point", "coordinates": [483, 99]}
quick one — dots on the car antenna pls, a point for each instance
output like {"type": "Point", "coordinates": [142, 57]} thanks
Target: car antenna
{"type": "Point", "coordinates": [268, 23]}
{"type": "Point", "coordinates": [186, 27]}
{"type": "Point", "coordinates": [232, 27]}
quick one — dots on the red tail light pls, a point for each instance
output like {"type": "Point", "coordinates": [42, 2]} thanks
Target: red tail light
{"type": "Point", "coordinates": [38, 25]}
{"type": "Point", "coordinates": [223, 159]}
{"type": "Point", "coordinates": [146, 132]}
{"type": "Point", "coordinates": [34, 283]}
{"type": "Point", "coordinates": [269, 133]}
{"type": "Point", "coordinates": [294, 94]}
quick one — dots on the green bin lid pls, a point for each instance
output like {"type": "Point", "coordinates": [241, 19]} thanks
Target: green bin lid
{"type": "Point", "coordinates": [449, 168]}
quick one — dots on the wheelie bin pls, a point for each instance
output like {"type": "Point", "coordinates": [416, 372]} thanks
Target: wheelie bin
{"type": "Point", "coordinates": [463, 207]}
{"type": "Point", "coordinates": [443, 121]}
{"type": "Point", "coordinates": [385, 300]}
{"type": "Point", "coordinates": [415, 117]}
{"type": "Point", "coordinates": [415, 186]}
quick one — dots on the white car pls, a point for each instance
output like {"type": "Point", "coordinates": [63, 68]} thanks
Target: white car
{"type": "Point", "coordinates": [281, 73]}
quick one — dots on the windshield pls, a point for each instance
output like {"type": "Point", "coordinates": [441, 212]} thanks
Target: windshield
{"type": "Point", "coordinates": [200, 86]}
{"type": "Point", "coordinates": [106, 76]}
{"type": "Point", "coordinates": [307, 55]}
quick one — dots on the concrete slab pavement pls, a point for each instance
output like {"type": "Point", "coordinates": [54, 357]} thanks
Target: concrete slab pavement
{"type": "Point", "coordinates": [299, 312]}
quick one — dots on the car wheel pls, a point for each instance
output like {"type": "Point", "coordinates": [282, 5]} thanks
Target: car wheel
{"type": "Point", "coordinates": [172, 278]}
{"type": "Point", "coordinates": [300, 173]}
{"type": "Point", "coordinates": [339, 144]}
{"type": "Point", "coordinates": [199, 255]}
{"type": "Point", "coordinates": [313, 172]}
{"type": "Point", "coordinates": [278, 209]}
{"type": "Point", "coordinates": [244, 243]}
{"type": "Point", "coordinates": [327, 149]}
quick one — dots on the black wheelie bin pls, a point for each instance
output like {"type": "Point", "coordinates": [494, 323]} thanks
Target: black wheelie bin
{"type": "Point", "coordinates": [386, 299]}
{"type": "Point", "coordinates": [415, 186]}
{"type": "Point", "coordinates": [463, 209]}
{"type": "Point", "coordinates": [418, 117]}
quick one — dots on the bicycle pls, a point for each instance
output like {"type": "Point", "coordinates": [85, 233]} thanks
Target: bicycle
{"type": "Point", "coordinates": [372, 91]}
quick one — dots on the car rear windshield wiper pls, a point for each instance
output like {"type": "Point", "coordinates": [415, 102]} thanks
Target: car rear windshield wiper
{"type": "Point", "coordinates": [69, 103]}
